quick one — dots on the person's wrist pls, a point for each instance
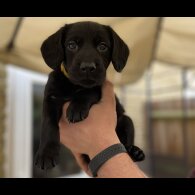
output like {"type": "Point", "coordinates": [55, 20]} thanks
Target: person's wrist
{"type": "Point", "coordinates": [102, 145]}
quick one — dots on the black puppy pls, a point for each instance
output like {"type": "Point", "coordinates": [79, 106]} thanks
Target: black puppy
{"type": "Point", "coordinates": [79, 54]}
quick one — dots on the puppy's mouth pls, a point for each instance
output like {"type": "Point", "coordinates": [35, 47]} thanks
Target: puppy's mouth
{"type": "Point", "coordinates": [86, 83]}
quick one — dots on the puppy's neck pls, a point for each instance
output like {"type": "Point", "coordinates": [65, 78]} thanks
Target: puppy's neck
{"type": "Point", "coordinates": [63, 70]}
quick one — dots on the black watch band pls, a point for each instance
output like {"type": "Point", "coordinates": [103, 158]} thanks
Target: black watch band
{"type": "Point", "coordinates": [105, 155]}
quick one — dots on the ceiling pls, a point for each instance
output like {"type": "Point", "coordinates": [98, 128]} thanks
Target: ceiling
{"type": "Point", "coordinates": [169, 40]}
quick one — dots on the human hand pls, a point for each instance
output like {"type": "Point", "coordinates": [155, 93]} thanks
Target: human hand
{"type": "Point", "coordinates": [96, 132]}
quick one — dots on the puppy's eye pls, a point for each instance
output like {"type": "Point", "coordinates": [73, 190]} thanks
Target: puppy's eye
{"type": "Point", "coordinates": [72, 45]}
{"type": "Point", "coordinates": [102, 47]}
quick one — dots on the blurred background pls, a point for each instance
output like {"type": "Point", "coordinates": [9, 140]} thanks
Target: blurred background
{"type": "Point", "coordinates": [157, 89]}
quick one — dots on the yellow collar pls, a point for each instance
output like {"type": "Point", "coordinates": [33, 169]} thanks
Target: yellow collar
{"type": "Point", "coordinates": [63, 70]}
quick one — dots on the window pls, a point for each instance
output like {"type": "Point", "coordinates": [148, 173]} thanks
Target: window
{"type": "Point", "coordinates": [23, 117]}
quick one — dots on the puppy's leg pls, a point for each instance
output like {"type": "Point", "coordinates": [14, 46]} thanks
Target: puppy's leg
{"type": "Point", "coordinates": [125, 132]}
{"type": "Point", "coordinates": [81, 103]}
{"type": "Point", "coordinates": [48, 153]}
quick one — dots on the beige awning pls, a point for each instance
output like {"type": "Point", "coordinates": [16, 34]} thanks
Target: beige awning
{"type": "Point", "coordinates": [175, 43]}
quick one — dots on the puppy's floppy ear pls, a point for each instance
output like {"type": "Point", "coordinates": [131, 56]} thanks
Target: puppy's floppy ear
{"type": "Point", "coordinates": [52, 50]}
{"type": "Point", "coordinates": [120, 51]}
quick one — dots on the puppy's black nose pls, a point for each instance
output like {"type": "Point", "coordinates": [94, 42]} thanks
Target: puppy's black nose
{"type": "Point", "coordinates": [87, 66]}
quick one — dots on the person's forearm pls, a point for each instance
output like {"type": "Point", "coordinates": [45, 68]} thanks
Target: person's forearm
{"type": "Point", "coordinates": [120, 166]}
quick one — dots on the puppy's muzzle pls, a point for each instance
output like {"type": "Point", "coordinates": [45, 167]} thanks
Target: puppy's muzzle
{"type": "Point", "coordinates": [87, 67]}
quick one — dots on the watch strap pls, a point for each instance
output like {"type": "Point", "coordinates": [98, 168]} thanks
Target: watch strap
{"type": "Point", "coordinates": [105, 155]}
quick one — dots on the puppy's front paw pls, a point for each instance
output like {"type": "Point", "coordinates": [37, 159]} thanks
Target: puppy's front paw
{"type": "Point", "coordinates": [136, 153]}
{"type": "Point", "coordinates": [47, 159]}
{"type": "Point", "coordinates": [76, 112]}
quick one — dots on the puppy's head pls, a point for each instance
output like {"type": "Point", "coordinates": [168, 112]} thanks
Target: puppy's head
{"type": "Point", "coordinates": [86, 50]}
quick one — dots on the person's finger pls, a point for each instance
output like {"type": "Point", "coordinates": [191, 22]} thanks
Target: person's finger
{"type": "Point", "coordinates": [108, 92]}
{"type": "Point", "coordinates": [82, 163]}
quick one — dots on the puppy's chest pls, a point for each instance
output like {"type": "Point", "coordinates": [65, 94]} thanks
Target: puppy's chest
{"type": "Point", "coordinates": [64, 92]}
